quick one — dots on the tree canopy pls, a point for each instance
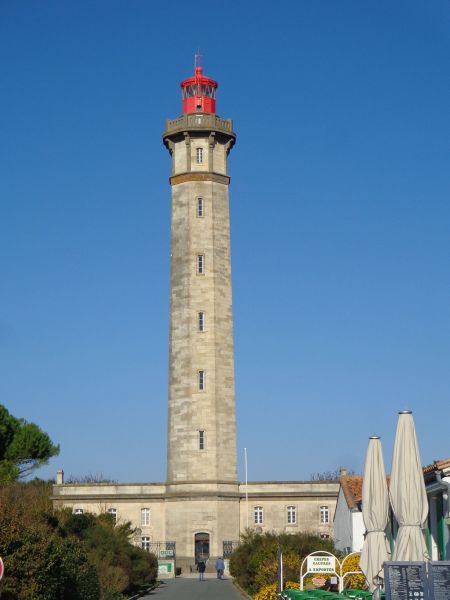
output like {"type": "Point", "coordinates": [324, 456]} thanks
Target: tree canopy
{"type": "Point", "coordinates": [52, 554]}
{"type": "Point", "coordinates": [23, 447]}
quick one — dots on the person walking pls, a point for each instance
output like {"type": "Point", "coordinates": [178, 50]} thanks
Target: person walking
{"type": "Point", "coordinates": [201, 568]}
{"type": "Point", "coordinates": [220, 567]}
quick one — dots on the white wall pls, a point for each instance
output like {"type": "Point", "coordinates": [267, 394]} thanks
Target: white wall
{"type": "Point", "coordinates": [342, 524]}
{"type": "Point", "coordinates": [358, 532]}
{"type": "Point", "coordinates": [348, 526]}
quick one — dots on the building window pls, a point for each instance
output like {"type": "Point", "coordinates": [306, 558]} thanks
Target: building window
{"type": "Point", "coordinates": [199, 155]}
{"type": "Point", "coordinates": [201, 440]}
{"type": "Point", "coordinates": [145, 517]}
{"type": "Point", "coordinates": [201, 381]}
{"type": "Point", "coordinates": [146, 543]}
{"type": "Point", "coordinates": [258, 512]}
{"type": "Point", "coordinates": [324, 514]}
{"type": "Point", "coordinates": [78, 511]}
{"type": "Point", "coordinates": [200, 263]}
{"type": "Point", "coordinates": [113, 513]}
{"type": "Point", "coordinates": [201, 321]}
{"type": "Point", "coordinates": [292, 515]}
{"type": "Point", "coordinates": [324, 536]}
{"type": "Point", "coordinates": [199, 207]}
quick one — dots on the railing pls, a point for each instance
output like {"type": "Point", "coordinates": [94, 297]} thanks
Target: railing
{"type": "Point", "coordinates": [163, 549]}
{"type": "Point", "coordinates": [199, 121]}
{"type": "Point", "coordinates": [228, 548]}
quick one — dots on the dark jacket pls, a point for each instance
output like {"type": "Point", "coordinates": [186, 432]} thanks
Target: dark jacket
{"type": "Point", "coordinates": [201, 567]}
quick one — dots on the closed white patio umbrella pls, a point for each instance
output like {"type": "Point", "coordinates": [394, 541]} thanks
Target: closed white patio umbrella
{"type": "Point", "coordinates": [375, 511]}
{"type": "Point", "coordinates": [407, 492]}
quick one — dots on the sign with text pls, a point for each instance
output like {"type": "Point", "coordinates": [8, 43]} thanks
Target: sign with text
{"type": "Point", "coordinates": [321, 564]}
{"type": "Point", "coordinates": [163, 549]}
{"type": "Point", "coordinates": [439, 580]}
{"type": "Point", "coordinates": [405, 580]}
{"type": "Point", "coordinates": [166, 569]}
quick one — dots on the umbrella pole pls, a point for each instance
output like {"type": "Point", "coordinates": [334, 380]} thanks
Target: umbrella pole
{"type": "Point", "coordinates": [378, 581]}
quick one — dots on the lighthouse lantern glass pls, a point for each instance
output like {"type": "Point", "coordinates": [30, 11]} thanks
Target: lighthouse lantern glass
{"type": "Point", "coordinates": [198, 93]}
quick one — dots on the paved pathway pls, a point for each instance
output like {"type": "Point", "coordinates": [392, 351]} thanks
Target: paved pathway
{"type": "Point", "coordinates": [188, 588]}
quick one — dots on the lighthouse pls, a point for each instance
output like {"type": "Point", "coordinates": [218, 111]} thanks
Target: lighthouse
{"type": "Point", "coordinates": [201, 456]}
{"type": "Point", "coordinates": [201, 509]}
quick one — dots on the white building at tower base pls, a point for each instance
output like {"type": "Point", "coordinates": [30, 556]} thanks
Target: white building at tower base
{"type": "Point", "coordinates": [203, 520]}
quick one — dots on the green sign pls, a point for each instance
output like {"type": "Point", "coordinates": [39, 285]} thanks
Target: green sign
{"type": "Point", "coordinates": [164, 568]}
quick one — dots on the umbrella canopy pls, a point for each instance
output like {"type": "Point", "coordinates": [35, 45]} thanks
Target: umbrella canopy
{"type": "Point", "coordinates": [407, 491]}
{"type": "Point", "coordinates": [375, 511]}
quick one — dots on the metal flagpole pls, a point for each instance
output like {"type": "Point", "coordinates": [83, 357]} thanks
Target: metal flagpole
{"type": "Point", "coordinates": [280, 569]}
{"type": "Point", "coordinates": [246, 483]}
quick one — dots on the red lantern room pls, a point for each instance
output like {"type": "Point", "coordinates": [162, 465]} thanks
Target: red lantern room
{"type": "Point", "coordinates": [199, 93]}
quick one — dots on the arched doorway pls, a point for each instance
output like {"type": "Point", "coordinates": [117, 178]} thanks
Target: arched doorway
{"type": "Point", "coordinates": [201, 544]}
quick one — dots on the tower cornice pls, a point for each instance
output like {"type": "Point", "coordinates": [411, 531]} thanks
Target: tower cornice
{"type": "Point", "coordinates": [196, 176]}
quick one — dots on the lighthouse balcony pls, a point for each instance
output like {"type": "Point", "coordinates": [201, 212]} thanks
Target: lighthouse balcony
{"type": "Point", "coordinates": [200, 122]}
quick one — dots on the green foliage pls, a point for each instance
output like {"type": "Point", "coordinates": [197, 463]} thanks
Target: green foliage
{"type": "Point", "coordinates": [270, 591]}
{"type": "Point", "coordinates": [41, 561]}
{"type": "Point", "coordinates": [55, 555]}
{"type": "Point", "coordinates": [120, 566]}
{"type": "Point", "coordinates": [357, 580]}
{"type": "Point", "coordinates": [254, 562]}
{"type": "Point", "coordinates": [23, 447]}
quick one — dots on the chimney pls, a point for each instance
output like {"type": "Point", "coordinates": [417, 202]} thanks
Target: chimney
{"type": "Point", "coordinates": [342, 472]}
{"type": "Point", "coordinates": [59, 477]}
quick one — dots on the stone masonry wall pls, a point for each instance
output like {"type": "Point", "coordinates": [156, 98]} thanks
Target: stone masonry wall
{"type": "Point", "coordinates": [192, 410]}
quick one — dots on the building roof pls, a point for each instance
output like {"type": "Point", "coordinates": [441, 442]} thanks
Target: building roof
{"type": "Point", "coordinates": [352, 489]}
{"type": "Point", "coordinates": [437, 465]}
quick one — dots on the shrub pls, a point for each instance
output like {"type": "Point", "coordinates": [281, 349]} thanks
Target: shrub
{"type": "Point", "coordinates": [254, 562]}
{"type": "Point", "coordinates": [358, 580]}
{"type": "Point", "coordinates": [121, 567]}
{"type": "Point", "coordinates": [269, 592]}
{"type": "Point", "coordinates": [43, 565]}
{"type": "Point", "coordinates": [53, 554]}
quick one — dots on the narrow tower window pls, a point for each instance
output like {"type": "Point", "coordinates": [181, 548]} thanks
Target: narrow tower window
{"type": "Point", "coordinates": [199, 155]}
{"type": "Point", "coordinates": [201, 440]}
{"type": "Point", "coordinates": [199, 207]}
{"type": "Point", "coordinates": [201, 321]}
{"type": "Point", "coordinates": [200, 263]}
{"type": "Point", "coordinates": [201, 381]}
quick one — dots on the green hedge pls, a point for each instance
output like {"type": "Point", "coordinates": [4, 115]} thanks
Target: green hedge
{"type": "Point", "coordinates": [55, 555]}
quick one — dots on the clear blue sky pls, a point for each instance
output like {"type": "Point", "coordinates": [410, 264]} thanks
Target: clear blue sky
{"type": "Point", "coordinates": [339, 212]}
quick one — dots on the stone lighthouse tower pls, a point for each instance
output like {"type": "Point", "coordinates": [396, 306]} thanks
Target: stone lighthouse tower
{"type": "Point", "coordinates": [201, 509]}
{"type": "Point", "coordinates": [201, 461]}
